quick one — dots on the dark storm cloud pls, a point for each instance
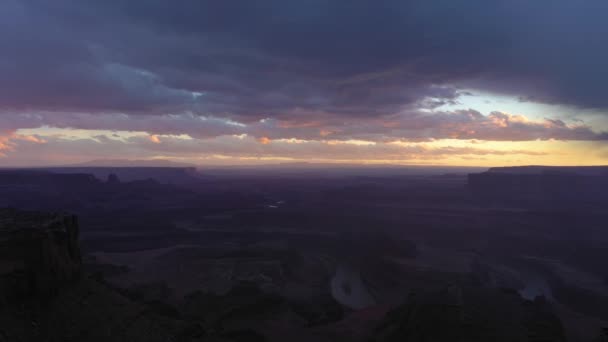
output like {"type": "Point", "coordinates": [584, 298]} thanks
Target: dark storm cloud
{"type": "Point", "coordinates": [253, 59]}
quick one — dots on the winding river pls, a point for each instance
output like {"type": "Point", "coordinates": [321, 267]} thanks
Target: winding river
{"type": "Point", "coordinates": [349, 289]}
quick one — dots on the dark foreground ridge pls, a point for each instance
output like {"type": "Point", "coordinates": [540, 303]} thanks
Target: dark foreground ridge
{"type": "Point", "coordinates": [48, 295]}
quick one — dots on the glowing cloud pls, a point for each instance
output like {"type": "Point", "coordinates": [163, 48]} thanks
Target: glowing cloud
{"type": "Point", "coordinates": [154, 138]}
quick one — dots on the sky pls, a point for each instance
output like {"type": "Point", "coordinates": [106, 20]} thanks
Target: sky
{"type": "Point", "coordinates": [411, 82]}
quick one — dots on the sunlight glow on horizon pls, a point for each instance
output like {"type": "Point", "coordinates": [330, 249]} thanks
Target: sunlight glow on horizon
{"type": "Point", "coordinates": [440, 152]}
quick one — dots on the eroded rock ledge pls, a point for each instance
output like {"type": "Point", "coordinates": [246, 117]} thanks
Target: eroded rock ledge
{"type": "Point", "coordinates": [39, 254]}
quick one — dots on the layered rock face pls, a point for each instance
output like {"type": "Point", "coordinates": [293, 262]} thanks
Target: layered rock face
{"type": "Point", "coordinates": [39, 254]}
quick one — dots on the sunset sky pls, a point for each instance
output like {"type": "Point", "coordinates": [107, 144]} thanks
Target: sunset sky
{"type": "Point", "coordinates": [471, 83]}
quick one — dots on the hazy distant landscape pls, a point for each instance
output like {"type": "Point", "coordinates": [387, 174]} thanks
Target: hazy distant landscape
{"type": "Point", "coordinates": [333, 243]}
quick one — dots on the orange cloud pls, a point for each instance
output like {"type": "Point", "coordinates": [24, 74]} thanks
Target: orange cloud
{"type": "Point", "coordinates": [3, 146]}
{"type": "Point", "coordinates": [154, 138]}
{"type": "Point", "coordinates": [8, 141]}
{"type": "Point", "coordinates": [264, 140]}
{"type": "Point", "coordinates": [30, 138]}
{"type": "Point", "coordinates": [325, 132]}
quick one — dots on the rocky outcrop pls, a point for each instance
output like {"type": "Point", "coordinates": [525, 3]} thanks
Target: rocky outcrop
{"type": "Point", "coordinates": [113, 179]}
{"type": "Point", "coordinates": [44, 297]}
{"type": "Point", "coordinates": [603, 335]}
{"type": "Point", "coordinates": [471, 314]}
{"type": "Point", "coordinates": [163, 175]}
{"type": "Point", "coordinates": [41, 178]}
{"type": "Point", "coordinates": [552, 187]}
{"type": "Point", "coordinates": [39, 254]}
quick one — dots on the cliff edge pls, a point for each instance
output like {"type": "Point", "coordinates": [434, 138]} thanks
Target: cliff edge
{"type": "Point", "coordinates": [39, 254]}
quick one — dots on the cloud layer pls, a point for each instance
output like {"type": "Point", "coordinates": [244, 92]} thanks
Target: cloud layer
{"type": "Point", "coordinates": [355, 58]}
{"type": "Point", "coordinates": [376, 71]}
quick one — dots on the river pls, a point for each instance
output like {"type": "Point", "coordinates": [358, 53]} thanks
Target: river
{"type": "Point", "coordinates": [349, 289]}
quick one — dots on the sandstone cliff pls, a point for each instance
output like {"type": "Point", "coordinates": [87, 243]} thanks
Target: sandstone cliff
{"type": "Point", "coordinates": [39, 254]}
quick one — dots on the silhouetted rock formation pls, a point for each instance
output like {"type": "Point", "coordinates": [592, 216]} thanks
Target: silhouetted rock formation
{"type": "Point", "coordinates": [39, 254]}
{"type": "Point", "coordinates": [113, 179]}
{"type": "Point", "coordinates": [553, 187]}
{"type": "Point", "coordinates": [603, 335]}
{"type": "Point", "coordinates": [30, 178]}
{"type": "Point", "coordinates": [164, 175]}
{"type": "Point", "coordinates": [539, 169]}
{"type": "Point", "coordinates": [470, 314]}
